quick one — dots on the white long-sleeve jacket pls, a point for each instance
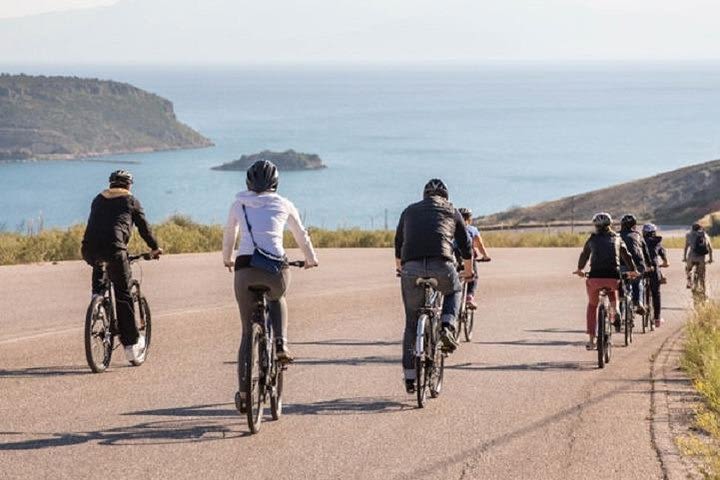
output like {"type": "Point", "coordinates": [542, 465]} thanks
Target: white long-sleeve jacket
{"type": "Point", "coordinates": [268, 214]}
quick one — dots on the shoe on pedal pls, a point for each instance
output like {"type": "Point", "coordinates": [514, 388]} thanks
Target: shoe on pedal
{"type": "Point", "coordinates": [283, 353]}
{"type": "Point", "coordinates": [617, 324]}
{"type": "Point", "coordinates": [136, 353]}
{"type": "Point", "coordinates": [470, 302]}
{"type": "Point", "coordinates": [658, 322]}
{"type": "Point", "coordinates": [410, 386]}
{"type": "Point", "coordinates": [240, 403]}
{"type": "Point", "coordinates": [447, 339]}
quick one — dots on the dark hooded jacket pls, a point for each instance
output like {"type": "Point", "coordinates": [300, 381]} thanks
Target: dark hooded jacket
{"type": "Point", "coordinates": [112, 216]}
{"type": "Point", "coordinates": [427, 229]}
{"type": "Point", "coordinates": [605, 250]}
{"type": "Point", "coordinates": [638, 249]}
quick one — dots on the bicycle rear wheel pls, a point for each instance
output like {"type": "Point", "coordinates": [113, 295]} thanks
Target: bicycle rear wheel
{"type": "Point", "coordinates": [649, 310]}
{"type": "Point", "coordinates": [437, 366]}
{"type": "Point", "coordinates": [254, 390]}
{"type": "Point", "coordinates": [469, 324]}
{"type": "Point", "coordinates": [601, 336]}
{"type": "Point", "coordinates": [628, 320]}
{"type": "Point", "coordinates": [607, 343]}
{"type": "Point", "coordinates": [421, 383]}
{"type": "Point", "coordinates": [98, 338]}
{"type": "Point", "coordinates": [144, 324]}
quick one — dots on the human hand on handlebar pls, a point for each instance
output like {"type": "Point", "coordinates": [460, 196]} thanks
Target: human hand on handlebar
{"type": "Point", "coordinates": [579, 273]}
{"type": "Point", "coordinates": [155, 254]}
{"type": "Point", "coordinates": [230, 265]}
{"type": "Point", "coordinates": [310, 264]}
{"type": "Point", "coordinates": [633, 275]}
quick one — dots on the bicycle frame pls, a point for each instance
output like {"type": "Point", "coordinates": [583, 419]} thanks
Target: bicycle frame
{"type": "Point", "coordinates": [430, 308]}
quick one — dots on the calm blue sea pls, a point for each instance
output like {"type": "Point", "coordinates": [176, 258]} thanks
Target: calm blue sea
{"type": "Point", "coordinates": [500, 136]}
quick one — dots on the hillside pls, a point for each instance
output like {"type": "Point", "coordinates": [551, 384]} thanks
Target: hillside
{"type": "Point", "coordinates": [287, 160]}
{"type": "Point", "coordinates": [67, 117]}
{"type": "Point", "coordinates": [676, 197]}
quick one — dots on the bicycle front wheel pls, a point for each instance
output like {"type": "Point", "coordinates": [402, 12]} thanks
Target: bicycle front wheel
{"type": "Point", "coordinates": [628, 320]}
{"type": "Point", "coordinates": [143, 321]}
{"type": "Point", "coordinates": [254, 376]}
{"type": "Point", "coordinates": [601, 336]}
{"type": "Point", "coordinates": [98, 338]}
{"type": "Point", "coordinates": [469, 324]}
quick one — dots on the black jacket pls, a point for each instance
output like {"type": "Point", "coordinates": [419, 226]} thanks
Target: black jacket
{"type": "Point", "coordinates": [636, 246]}
{"type": "Point", "coordinates": [112, 216]}
{"type": "Point", "coordinates": [427, 229]}
{"type": "Point", "coordinates": [656, 250]}
{"type": "Point", "coordinates": [605, 250]}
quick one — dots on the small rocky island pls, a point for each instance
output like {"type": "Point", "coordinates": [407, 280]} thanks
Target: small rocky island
{"type": "Point", "coordinates": [285, 161]}
{"type": "Point", "coordinates": [60, 118]}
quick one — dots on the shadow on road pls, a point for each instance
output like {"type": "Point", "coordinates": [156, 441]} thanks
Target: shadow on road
{"type": "Point", "coordinates": [41, 372]}
{"type": "Point", "coordinates": [350, 343]}
{"type": "Point", "coordinates": [536, 343]}
{"type": "Point", "coordinates": [537, 366]}
{"type": "Point", "coordinates": [346, 406]}
{"type": "Point", "coordinates": [350, 361]}
{"type": "Point", "coordinates": [555, 330]}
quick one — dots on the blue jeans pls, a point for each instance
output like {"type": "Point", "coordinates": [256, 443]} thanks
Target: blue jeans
{"type": "Point", "coordinates": [414, 297]}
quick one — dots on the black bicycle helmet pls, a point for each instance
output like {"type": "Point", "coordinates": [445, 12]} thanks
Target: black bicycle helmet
{"type": "Point", "coordinates": [262, 176]}
{"type": "Point", "coordinates": [435, 187]}
{"type": "Point", "coordinates": [697, 227]}
{"type": "Point", "coordinates": [466, 213]}
{"type": "Point", "coordinates": [628, 221]}
{"type": "Point", "coordinates": [121, 178]}
{"type": "Point", "coordinates": [602, 220]}
{"type": "Point", "coordinates": [649, 229]}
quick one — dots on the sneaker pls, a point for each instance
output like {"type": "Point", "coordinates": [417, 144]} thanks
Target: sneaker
{"type": "Point", "coordinates": [283, 353]}
{"type": "Point", "coordinates": [639, 309]}
{"type": "Point", "coordinates": [136, 353]}
{"type": "Point", "coordinates": [447, 339]}
{"type": "Point", "coordinates": [240, 403]}
{"type": "Point", "coordinates": [409, 386]}
{"type": "Point", "coordinates": [689, 284]}
{"type": "Point", "coordinates": [590, 346]}
{"type": "Point", "coordinates": [659, 321]}
{"type": "Point", "coordinates": [470, 302]}
{"type": "Point", "coordinates": [617, 324]}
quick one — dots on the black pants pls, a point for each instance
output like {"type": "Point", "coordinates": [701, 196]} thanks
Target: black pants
{"type": "Point", "coordinates": [655, 293]}
{"type": "Point", "coordinates": [120, 274]}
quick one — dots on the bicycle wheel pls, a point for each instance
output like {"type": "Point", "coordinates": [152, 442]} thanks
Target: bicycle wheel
{"type": "Point", "coordinates": [627, 320]}
{"type": "Point", "coordinates": [276, 403]}
{"type": "Point", "coordinates": [461, 319]}
{"type": "Point", "coordinates": [649, 310]}
{"type": "Point", "coordinates": [607, 343]}
{"type": "Point", "coordinates": [421, 383]}
{"type": "Point", "coordinates": [144, 324]}
{"type": "Point", "coordinates": [469, 324]}
{"type": "Point", "coordinates": [98, 339]}
{"type": "Point", "coordinates": [437, 368]}
{"type": "Point", "coordinates": [601, 337]}
{"type": "Point", "coordinates": [254, 377]}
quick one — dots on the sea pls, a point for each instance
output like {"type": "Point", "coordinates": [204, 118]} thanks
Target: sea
{"type": "Point", "coordinates": [499, 135]}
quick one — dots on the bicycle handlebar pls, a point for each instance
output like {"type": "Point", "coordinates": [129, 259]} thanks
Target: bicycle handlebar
{"type": "Point", "coordinates": [142, 256]}
{"type": "Point", "coordinates": [297, 263]}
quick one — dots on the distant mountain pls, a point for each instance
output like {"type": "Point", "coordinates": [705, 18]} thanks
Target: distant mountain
{"type": "Point", "coordinates": [287, 160]}
{"type": "Point", "coordinates": [67, 117]}
{"type": "Point", "coordinates": [676, 197]}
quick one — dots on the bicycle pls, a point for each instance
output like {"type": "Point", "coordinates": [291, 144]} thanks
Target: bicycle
{"type": "Point", "coordinates": [429, 357]}
{"type": "Point", "coordinates": [466, 316]}
{"type": "Point", "coordinates": [625, 305]}
{"type": "Point", "coordinates": [264, 374]}
{"type": "Point", "coordinates": [604, 334]}
{"type": "Point", "coordinates": [101, 325]}
{"type": "Point", "coordinates": [698, 285]}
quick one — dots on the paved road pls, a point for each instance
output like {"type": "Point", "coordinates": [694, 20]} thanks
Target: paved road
{"type": "Point", "coordinates": [524, 400]}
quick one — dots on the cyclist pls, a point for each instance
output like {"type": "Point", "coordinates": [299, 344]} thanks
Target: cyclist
{"type": "Point", "coordinates": [260, 215]}
{"type": "Point", "coordinates": [112, 216]}
{"type": "Point", "coordinates": [424, 249]}
{"type": "Point", "coordinates": [604, 249]}
{"type": "Point", "coordinates": [479, 250]}
{"type": "Point", "coordinates": [638, 250]}
{"type": "Point", "coordinates": [657, 254]}
{"type": "Point", "coordinates": [697, 247]}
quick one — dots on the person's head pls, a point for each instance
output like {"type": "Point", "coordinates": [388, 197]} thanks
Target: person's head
{"type": "Point", "coordinates": [121, 179]}
{"type": "Point", "coordinates": [628, 221]}
{"type": "Point", "coordinates": [649, 230]}
{"type": "Point", "coordinates": [435, 188]}
{"type": "Point", "coordinates": [696, 227]}
{"type": "Point", "coordinates": [602, 222]}
{"type": "Point", "coordinates": [466, 214]}
{"type": "Point", "coordinates": [262, 176]}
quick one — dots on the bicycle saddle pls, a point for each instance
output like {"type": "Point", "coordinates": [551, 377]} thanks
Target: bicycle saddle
{"type": "Point", "coordinates": [429, 282]}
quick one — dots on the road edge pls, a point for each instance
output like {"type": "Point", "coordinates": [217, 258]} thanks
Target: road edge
{"type": "Point", "coordinates": [672, 398]}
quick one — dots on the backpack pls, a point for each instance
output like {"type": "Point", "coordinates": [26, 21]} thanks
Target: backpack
{"type": "Point", "coordinates": [701, 245]}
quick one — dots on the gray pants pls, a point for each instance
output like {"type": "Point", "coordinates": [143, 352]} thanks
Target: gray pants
{"type": "Point", "coordinates": [251, 277]}
{"type": "Point", "coordinates": [445, 273]}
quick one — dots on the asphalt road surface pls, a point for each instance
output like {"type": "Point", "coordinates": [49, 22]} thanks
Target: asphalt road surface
{"type": "Point", "coordinates": [524, 400]}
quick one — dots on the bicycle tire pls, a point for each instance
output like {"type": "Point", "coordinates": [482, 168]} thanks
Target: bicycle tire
{"type": "Point", "coordinates": [420, 366]}
{"type": "Point", "coordinates": [608, 343]}
{"type": "Point", "coordinates": [468, 325]}
{"type": "Point", "coordinates": [461, 320]}
{"type": "Point", "coordinates": [144, 321]}
{"type": "Point", "coordinates": [254, 394]}
{"type": "Point", "coordinates": [627, 321]}
{"type": "Point", "coordinates": [649, 310]}
{"type": "Point", "coordinates": [601, 337]}
{"type": "Point", "coordinates": [98, 341]}
{"type": "Point", "coordinates": [276, 403]}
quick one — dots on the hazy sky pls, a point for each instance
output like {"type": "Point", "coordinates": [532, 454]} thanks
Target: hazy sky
{"type": "Point", "coordinates": [363, 31]}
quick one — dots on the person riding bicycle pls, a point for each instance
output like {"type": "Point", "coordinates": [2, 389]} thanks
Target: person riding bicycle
{"type": "Point", "coordinates": [604, 249]}
{"type": "Point", "coordinates": [112, 216]}
{"type": "Point", "coordinates": [658, 260]}
{"type": "Point", "coordinates": [260, 216]}
{"type": "Point", "coordinates": [697, 247]}
{"type": "Point", "coordinates": [638, 250]}
{"type": "Point", "coordinates": [424, 249]}
{"type": "Point", "coordinates": [479, 251]}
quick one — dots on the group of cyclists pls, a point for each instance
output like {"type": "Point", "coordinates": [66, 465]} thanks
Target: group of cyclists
{"type": "Point", "coordinates": [433, 240]}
